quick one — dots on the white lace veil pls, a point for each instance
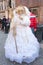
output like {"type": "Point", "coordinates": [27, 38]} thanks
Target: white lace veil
{"type": "Point", "coordinates": [27, 11]}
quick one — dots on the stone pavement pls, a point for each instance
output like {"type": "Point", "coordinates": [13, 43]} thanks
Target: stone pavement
{"type": "Point", "coordinates": [4, 61]}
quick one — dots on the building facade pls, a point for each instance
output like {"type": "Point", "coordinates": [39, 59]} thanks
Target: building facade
{"type": "Point", "coordinates": [35, 6]}
{"type": "Point", "coordinates": [5, 6]}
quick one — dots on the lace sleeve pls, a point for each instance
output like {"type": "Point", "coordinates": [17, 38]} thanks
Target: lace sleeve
{"type": "Point", "coordinates": [26, 21]}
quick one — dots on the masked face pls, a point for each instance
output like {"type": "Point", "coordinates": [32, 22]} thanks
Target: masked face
{"type": "Point", "coordinates": [20, 11]}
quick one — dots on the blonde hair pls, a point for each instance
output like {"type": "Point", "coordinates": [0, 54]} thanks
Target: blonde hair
{"type": "Point", "coordinates": [20, 9]}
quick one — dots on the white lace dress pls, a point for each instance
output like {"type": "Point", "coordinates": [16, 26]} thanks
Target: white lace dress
{"type": "Point", "coordinates": [26, 43]}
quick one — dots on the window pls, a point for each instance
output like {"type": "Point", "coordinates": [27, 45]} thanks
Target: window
{"type": "Point", "coordinates": [1, 6]}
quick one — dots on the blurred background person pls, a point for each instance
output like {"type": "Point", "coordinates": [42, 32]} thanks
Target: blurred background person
{"type": "Point", "coordinates": [3, 22]}
{"type": "Point", "coordinates": [34, 23]}
{"type": "Point", "coordinates": [7, 26]}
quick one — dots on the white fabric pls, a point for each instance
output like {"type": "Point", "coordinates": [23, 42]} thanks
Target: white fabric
{"type": "Point", "coordinates": [27, 44]}
{"type": "Point", "coordinates": [32, 16]}
{"type": "Point", "coordinates": [27, 11]}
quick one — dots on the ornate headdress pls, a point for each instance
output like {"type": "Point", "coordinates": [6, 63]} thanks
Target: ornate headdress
{"type": "Point", "coordinates": [22, 8]}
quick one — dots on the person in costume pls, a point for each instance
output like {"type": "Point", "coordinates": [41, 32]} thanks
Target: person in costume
{"type": "Point", "coordinates": [21, 45]}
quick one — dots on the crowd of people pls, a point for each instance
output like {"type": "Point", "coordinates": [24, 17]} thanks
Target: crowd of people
{"type": "Point", "coordinates": [5, 24]}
